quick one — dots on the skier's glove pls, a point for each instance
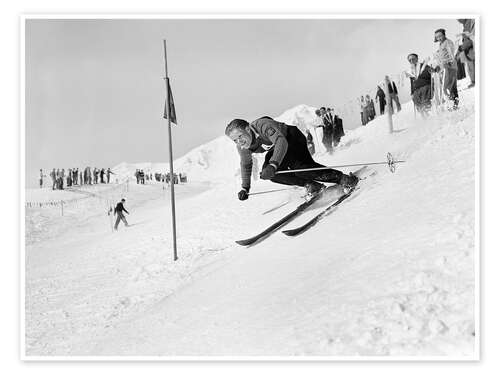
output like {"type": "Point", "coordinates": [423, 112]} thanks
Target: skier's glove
{"type": "Point", "coordinates": [268, 172]}
{"type": "Point", "coordinates": [243, 194]}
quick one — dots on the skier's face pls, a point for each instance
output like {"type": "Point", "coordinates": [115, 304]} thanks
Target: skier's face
{"type": "Point", "coordinates": [242, 138]}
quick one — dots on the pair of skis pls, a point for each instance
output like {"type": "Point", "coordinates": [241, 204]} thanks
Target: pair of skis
{"type": "Point", "coordinates": [296, 231]}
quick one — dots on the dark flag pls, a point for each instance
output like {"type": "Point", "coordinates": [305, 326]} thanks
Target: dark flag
{"type": "Point", "coordinates": [171, 112]}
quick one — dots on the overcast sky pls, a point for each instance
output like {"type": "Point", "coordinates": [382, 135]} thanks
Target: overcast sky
{"type": "Point", "coordinates": [95, 89]}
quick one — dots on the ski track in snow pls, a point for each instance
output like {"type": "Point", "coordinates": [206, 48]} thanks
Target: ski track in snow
{"type": "Point", "coordinates": [389, 272]}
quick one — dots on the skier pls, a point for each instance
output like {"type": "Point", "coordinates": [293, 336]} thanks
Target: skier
{"type": "Point", "coordinates": [119, 213]}
{"type": "Point", "coordinates": [286, 148]}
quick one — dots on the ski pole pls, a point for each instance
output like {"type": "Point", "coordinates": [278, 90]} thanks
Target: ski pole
{"type": "Point", "coordinates": [390, 163]}
{"type": "Point", "coordinates": [270, 191]}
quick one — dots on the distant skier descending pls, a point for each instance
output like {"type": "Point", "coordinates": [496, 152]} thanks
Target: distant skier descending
{"type": "Point", "coordinates": [119, 209]}
{"type": "Point", "coordinates": [286, 149]}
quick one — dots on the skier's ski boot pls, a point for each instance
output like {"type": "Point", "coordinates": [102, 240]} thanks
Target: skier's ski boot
{"type": "Point", "coordinates": [313, 188]}
{"type": "Point", "coordinates": [348, 182]}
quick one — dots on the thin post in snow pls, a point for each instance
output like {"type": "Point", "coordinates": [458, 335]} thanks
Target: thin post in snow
{"type": "Point", "coordinates": [171, 162]}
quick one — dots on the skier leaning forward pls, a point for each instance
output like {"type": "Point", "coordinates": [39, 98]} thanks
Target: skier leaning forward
{"type": "Point", "coordinates": [119, 213]}
{"type": "Point", "coordinates": [286, 148]}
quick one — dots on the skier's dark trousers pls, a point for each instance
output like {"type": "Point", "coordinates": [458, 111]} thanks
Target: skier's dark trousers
{"type": "Point", "coordinates": [298, 157]}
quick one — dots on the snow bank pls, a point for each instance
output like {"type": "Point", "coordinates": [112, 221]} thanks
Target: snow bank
{"type": "Point", "coordinates": [390, 272]}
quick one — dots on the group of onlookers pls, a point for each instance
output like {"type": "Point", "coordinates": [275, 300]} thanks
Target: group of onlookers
{"type": "Point", "coordinates": [438, 80]}
{"type": "Point", "coordinates": [74, 176]}
{"type": "Point", "coordinates": [333, 130]}
{"type": "Point", "coordinates": [367, 105]}
{"type": "Point", "coordinates": [141, 177]}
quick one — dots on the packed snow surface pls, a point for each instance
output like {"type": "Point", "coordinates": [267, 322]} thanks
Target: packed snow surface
{"type": "Point", "coordinates": [390, 272]}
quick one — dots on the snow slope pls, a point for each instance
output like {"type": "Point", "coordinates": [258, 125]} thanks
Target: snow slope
{"type": "Point", "coordinates": [390, 272]}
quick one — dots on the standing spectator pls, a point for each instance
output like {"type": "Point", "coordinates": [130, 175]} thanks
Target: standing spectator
{"type": "Point", "coordinates": [327, 125]}
{"type": "Point", "coordinates": [445, 56]}
{"type": "Point", "coordinates": [102, 172]}
{"type": "Point", "coordinates": [108, 174]}
{"type": "Point", "coordinates": [119, 209]}
{"type": "Point", "coordinates": [310, 142]}
{"type": "Point", "coordinates": [467, 48]}
{"type": "Point", "coordinates": [137, 175]}
{"type": "Point", "coordinates": [58, 179]}
{"type": "Point", "coordinates": [338, 130]}
{"type": "Point", "coordinates": [61, 179]}
{"type": "Point", "coordinates": [69, 178]}
{"type": "Point", "coordinates": [362, 106]}
{"type": "Point", "coordinates": [81, 178]}
{"type": "Point", "coordinates": [96, 175]}
{"type": "Point", "coordinates": [75, 176]}
{"type": "Point", "coordinates": [53, 177]}
{"type": "Point", "coordinates": [420, 75]}
{"type": "Point", "coordinates": [380, 98]}
{"type": "Point", "coordinates": [370, 108]}
{"type": "Point", "coordinates": [88, 176]}
{"type": "Point", "coordinates": [393, 93]}
{"type": "Point", "coordinates": [41, 179]}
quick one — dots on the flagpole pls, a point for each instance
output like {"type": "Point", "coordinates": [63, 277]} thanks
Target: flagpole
{"type": "Point", "coordinates": [171, 162]}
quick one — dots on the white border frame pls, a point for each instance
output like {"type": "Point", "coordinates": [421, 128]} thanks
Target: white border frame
{"type": "Point", "coordinates": [267, 15]}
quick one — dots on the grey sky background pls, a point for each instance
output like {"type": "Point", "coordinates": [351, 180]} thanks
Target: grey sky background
{"type": "Point", "coordinates": [95, 89]}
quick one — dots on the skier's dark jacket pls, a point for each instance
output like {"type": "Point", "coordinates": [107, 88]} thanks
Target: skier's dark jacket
{"type": "Point", "coordinates": [423, 79]}
{"type": "Point", "coordinates": [267, 133]}
{"type": "Point", "coordinates": [119, 208]}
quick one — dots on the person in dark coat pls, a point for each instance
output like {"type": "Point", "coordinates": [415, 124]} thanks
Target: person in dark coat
{"type": "Point", "coordinates": [380, 98]}
{"type": "Point", "coordinates": [54, 178]}
{"type": "Point", "coordinates": [102, 172]}
{"type": "Point", "coordinates": [467, 47]}
{"type": "Point", "coordinates": [338, 130]}
{"type": "Point", "coordinates": [420, 84]}
{"type": "Point", "coordinates": [286, 149]}
{"type": "Point", "coordinates": [119, 212]}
